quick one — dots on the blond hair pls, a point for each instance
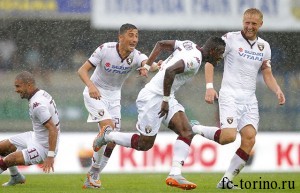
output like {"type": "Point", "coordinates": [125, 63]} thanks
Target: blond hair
{"type": "Point", "coordinates": [254, 11]}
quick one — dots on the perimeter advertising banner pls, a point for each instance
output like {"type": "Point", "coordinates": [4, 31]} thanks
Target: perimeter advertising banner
{"type": "Point", "coordinates": [44, 8]}
{"type": "Point", "coordinates": [279, 15]}
{"type": "Point", "coordinates": [273, 152]}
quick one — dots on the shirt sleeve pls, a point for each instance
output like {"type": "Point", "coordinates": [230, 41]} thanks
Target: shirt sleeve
{"type": "Point", "coordinates": [267, 55]}
{"type": "Point", "coordinates": [191, 59]}
{"type": "Point", "coordinates": [141, 57]}
{"type": "Point", "coordinates": [226, 37]}
{"type": "Point", "coordinates": [42, 113]}
{"type": "Point", "coordinates": [178, 43]}
{"type": "Point", "coordinates": [96, 57]}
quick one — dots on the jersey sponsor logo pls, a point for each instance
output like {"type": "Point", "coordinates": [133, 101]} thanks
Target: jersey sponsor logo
{"type": "Point", "coordinates": [116, 69]}
{"type": "Point", "coordinates": [260, 46]}
{"type": "Point", "coordinates": [251, 55]}
{"type": "Point", "coordinates": [107, 64]}
{"type": "Point", "coordinates": [229, 120]}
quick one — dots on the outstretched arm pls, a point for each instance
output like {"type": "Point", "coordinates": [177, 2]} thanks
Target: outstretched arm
{"type": "Point", "coordinates": [163, 45]}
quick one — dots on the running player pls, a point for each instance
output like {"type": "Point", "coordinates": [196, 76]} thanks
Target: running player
{"type": "Point", "coordinates": [37, 146]}
{"type": "Point", "coordinates": [156, 103]}
{"type": "Point", "coordinates": [113, 63]}
{"type": "Point", "coordinates": [246, 54]}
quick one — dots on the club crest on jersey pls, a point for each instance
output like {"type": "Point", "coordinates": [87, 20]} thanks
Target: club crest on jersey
{"type": "Point", "coordinates": [148, 129]}
{"type": "Point", "coordinates": [101, 112]}
{"type": "Point", "coordinates": [260, 46]}
{"type": "Point", "coordinates": [229, 120]}
{"type": "Point", "coordinates": [129, 60]}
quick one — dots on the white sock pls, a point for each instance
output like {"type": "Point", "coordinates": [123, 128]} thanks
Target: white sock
{"type": "Point", "coordinates": [103, 163]}
{"type": "Point", "coordinates": [120, 138]}
{"type": "Point", "coordinates": [97, 157]}
{"type": "Point", "coordinates": [180, 153]}
{"type": "Point", "coordinates": [13, 170]}
{"type": "Point", "coordinates": [206, 131]}
{"type": "Point", "coordinates": [236, 165]}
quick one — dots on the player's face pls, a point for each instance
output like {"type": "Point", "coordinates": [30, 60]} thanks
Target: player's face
{"type": "Point", "coordinates": [251, 24]}
{"type": "Point", "coordinates": [22, 89]}
{"type": "Point", "coordinates": [129, 40]}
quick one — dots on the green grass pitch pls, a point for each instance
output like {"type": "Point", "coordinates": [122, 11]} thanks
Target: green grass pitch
{"type": "Point", "coordinates": [151, 183]}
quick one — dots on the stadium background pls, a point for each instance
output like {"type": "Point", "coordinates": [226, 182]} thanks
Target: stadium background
{"type": "Point", "coordinates": [66, 33]}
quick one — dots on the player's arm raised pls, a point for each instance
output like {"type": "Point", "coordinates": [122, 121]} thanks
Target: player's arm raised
{"type": "Point", "coordinates": [83, 73]}
{"type": "Point", "coordinates": [210, 94]}
{"type": "Point", "coordinates": [163, 45]}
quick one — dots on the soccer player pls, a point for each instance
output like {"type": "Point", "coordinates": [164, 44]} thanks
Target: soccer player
{"type": "Point", "coordinates": [37, 146]}
{"type": "Point", "coordinates": [112, 63]}
{"type": "Point", "coordinates": [156, 103]}
{"type": "Point", "coordinates": [245, 55]}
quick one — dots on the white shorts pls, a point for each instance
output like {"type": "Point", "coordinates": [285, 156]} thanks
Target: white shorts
{"type": "Point", "coordinates": [148, 105]}
{"type": "Point", "coordinates": [233, 115]}
{"type": "Point", "coordinates": [103, 109]}
{"type": "Point", "coordinates": [33, 152]}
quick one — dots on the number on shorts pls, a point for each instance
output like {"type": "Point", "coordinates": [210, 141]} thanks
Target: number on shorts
{"type": "Point", "coordinates": [33, 153]}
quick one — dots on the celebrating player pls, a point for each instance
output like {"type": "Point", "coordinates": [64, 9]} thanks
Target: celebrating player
{"type": "Point", "coordinates": [156, 103]}
{"type": "Point", "coordinates": [244, 56]}
{"type": "Point", "coordinates": [37, 146]}
{"type": "Point", "coordinates": [113, 63]}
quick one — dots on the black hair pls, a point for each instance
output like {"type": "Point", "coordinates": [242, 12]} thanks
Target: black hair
{"type": "Point", "coordinates": [213, 42]}
{"type": "Point", "coordinates": [125, 27]}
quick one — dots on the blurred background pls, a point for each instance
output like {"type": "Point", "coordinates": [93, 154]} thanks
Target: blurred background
{"type": "Point", "coordinates": [53, 38]}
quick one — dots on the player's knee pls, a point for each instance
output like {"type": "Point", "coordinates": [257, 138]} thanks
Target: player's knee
{"type": "Point", "coordinates": [186, 133]}
{"type": "Point", "coordinates": [248, 140]}
{"type": "Point", "coordinates": [145, 147]}
{"type": "Point", "coordinates": [7, 149]}
{"type": "Point", "coordinates": [229, 137]}
{"type": "Point", "coordinates": [145, 143]}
